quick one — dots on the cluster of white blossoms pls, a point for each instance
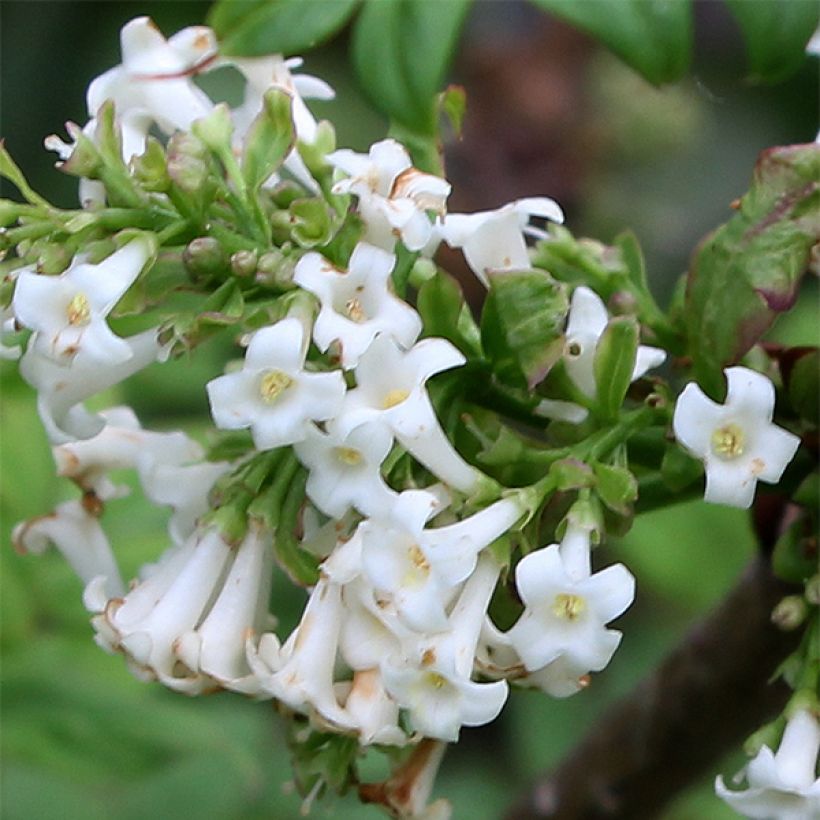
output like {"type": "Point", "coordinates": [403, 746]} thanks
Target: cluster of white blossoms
{"type": "Point", "coordinates": [396, 642]}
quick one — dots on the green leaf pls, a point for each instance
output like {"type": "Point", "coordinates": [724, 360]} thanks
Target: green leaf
{"type": "Point", "coordinates": [804, 386]}
{"type": "Point", "coordinates": [652, 36]}
{"type": "Point", "coordinates": [522, 325]}
{"type": "Point", "coordinates": [401, 52]}
{"type": "Point", "coordinates": [441, 304]}
{"type": "Point", "coordinates": [614, 364]}
{"type": "Point", "coordinates": [776, 35]}
{"type": "Point", "coordinates": [749, 270]}
{"type": "Point", "coordinates": [255, 27]}
{"type": "Point", "coordinates": [269, 138]}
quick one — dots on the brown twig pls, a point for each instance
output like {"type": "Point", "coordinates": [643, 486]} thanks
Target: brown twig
{"type": "Point", "coordinates": [705, 698]}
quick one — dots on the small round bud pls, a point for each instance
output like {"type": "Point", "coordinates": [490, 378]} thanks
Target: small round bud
{"type": "Point", "coordinates": [813, 590]}
{"type": "Point", "coordinates": [623, 303]}
{"type": "Point", "coordinates": [790, 613]}
{"type": "Point", "coordinates": [204, 258]}
{"type": "Point", "coordinates": [275, 270]}
{"type": "Point", "coordinates": [243, 263]}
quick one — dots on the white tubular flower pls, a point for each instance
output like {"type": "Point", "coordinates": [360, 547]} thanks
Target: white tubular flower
{"type": "Point", "coordinates": [783, 785]}
{"type": "Point", "coordinates": [154, 82]}
{"type": "Point", "coordinates": [566, 618]}
{"type": "Point", "coordinates": [374, 713]}
{"type": "Point", "coordinates": [493, 241]}
{"type": "Point", "coordinates": [216, 651]}
{"type": "Point", "coordinates": [305, 681]}
{"type": "Point", "coordinates": [736, 441]}
{"type": "Point", "coordinates": [419, 568]}
{"type": "Point", "coordinates": [273, 394]}
{"type": "Point", "coordinates": [437, 692]}
{"type": "Point", "coordinates": [151, 618]}
{"type": "Point", "coordinates": [77, 534]}
{"type": "Point", "coordinates": [586, 323]}
{"type": "Point", "coordinates": [390, 388]}
{"type": "Point", "coordinates": [344, 470]}
{"type": "Point", "coordinates": [393, 195]}
{"type": "Point", "coordinates": [62, 389]}
{"type": "Point", "coordinates": [68, 311]}
{"type": "Point", "coordinates": [357, 303]}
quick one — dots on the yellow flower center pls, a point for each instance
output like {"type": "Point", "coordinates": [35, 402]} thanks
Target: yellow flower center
{"type": "Point", "coordinates": [568, 606]}
{"type": "Point", "coordinates": [79, 310]}
{"type": "Point", "coordinates": [728, 442]}
{"type": "Point", "coordinates": [355, 311]}
{"type": "Point", "coordinates": [394, 397]}
{"type": "Point", "coordinates": [435, 680]}
{"type": "Point", "coordinates": [273, 384]}
{"type": "Point", "coordinates": [419, 559]}
{"type": "Point", "coordinates": [348, 455]}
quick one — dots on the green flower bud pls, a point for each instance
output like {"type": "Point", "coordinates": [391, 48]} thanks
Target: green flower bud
{"type": "Point", "coordinates": [187, 162]}
{"type": "Point", "coordinates": [85, 159]}
{"type": "Point", "coordinates": [54, 258]}
{"type": "Point", "coordinates": [204, 258]}
{"type": "Point", "coordinates": [790, 613]}
{"type": "Point", "coordinates": [243, 263]}
{"type": "Point", "coordinates": [275, 270]}
{"type": "Point", "coordinates": [813, 590]}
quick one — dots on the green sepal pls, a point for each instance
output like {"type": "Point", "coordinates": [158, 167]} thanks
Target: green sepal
{"type": "Point", "coordinates": [150, 168]}
{"type": "Point", "coordinates": [445, 313]}
{"type": "Point", "coordinates": [229, 446]}
{"type": "Point", "coordinates": [224, 306]}
{"type": "Point", "coordinates": [269, 139]}
{"type": "Point", "coordinates": [312, 222]}
{"type": "Point", "coordinates": [749, 270]}
{"type": "Point", "coordinates": [85, 160]}
{"type": "Point", "coordinates": [614, 364]}
{"type": "Point", "coordinates": [452, 102]}
{"type": "Point", "coordinates": [321, 757]}
{"type": "Point", "coordinates": [571, 474]}
{"type": "Point", "coordinates": [616, 486]}
{"type": "Point", "coordinates": [522, 325]}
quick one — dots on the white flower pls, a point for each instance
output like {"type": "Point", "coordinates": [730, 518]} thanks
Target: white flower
{"type": "Point", "coordinates": [586, 323]}
{"type": "Point", "coordinates": [374, 713]}
{"type": "Point", "coordinates": [154, 82]}
{"type": "Point", "coordinates": [77, 534]}
{"type": "Point", "coordinates": [357, 303]}
{"type": "Point", "coordinates": [273, 394]}
{"type": "Point", "coordinates": [344, 470]}
{"type": "Point", "coordinates": [390, 388]}
{"type": "Point", "coordinates": [437, 691]}
{"type": "Point", "coordinates": [564, 617]}
{"type": "Point", "coordinates": [393, 195]}
{"type": "Point", "coordinates": [736, 441]}
{"type": "Point", "coordinates": [493, 241]}
{"type": "Point", "coordinates": [783, 785]}
{"type": "Point", "coordinates": [420, 567]}
{"type": "Point", "coordinates": [68, 311]}
{"type": "Point", "coordinates": [61, 389]}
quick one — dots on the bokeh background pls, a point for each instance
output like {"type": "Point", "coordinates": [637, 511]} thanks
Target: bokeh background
{"type": "Point", "coordinates": [549, 113]}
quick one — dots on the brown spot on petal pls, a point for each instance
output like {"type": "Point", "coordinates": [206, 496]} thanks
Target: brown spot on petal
{"type": "Point", "coordinates": [428, 657]}
{"type": "Point", "coordinates": [758, 465]}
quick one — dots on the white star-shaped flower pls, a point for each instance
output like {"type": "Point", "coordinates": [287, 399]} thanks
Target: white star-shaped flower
{"type": "Point", "coordinates": [344, 470]}
{"type": "Point", "coordinates": [565, 617]}
{"type": "Point", "coordinates": [273, 394]}
{"type": "Point", "coordinates": [586, 323]}
{"type": "Point", "coordinates": [783, 785]}
{"type": "Point", "coordinates": [493, 241]}
{"type": "Point", "coordinates": [357, 303]}
{"type": "Point", "coordinates": [736, 441]}
{"type": "Point", "coordinates": [393, 195]}
{"type": "Point", "coordinates": [68, 312]}
{"type": "Point", "coordinates": [391, 389]}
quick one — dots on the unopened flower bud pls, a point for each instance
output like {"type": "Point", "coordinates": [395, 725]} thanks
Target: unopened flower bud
{"type": "Point", "coordinates": [187, 161]}
{"type": "Point", "coordinates": [275, 270]}
{"type": "Point", "coordinates": [790, 613]}
{"type": "Point", "coordinates": [243, 263]}
{"type": "Point", "coordinates": [204, 258]}
{"type": "Point", "coordinates": [85, 159]}
{"type": "Point", "coordinates": [623, 303]}
{"type": "Point", "coordinates": [423, 270]}
{"type": "Point", "coordinates": [813, 590]}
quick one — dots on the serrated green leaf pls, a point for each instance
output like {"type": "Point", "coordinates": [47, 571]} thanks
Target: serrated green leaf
{"type": "Point", "coordinates": [614, 364]}
{"type": "Point", "coordinates": [401, 52]}
{"type": "Point", "coordinates": [248, 28]}
{"type": "Point", "coordinates": [776, 34]}
{"type": "Point", "coordinates": [522, 325]}
{"type": "Point", "coordinates": [749, 270]}
{"type": "Point", "coordinates": [652, 36]}
{"type": "Point", "coordinates": [269, 138]}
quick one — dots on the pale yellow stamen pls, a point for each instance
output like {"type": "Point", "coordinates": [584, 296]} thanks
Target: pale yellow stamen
{"type": "Point", "coordinates": [273, 384]}
{"type": "Point", "coordinates": [394, 397]}
{"type": "Point", "coordinates": [568, 606]}
{"type": "Point", "coordinates": [435, 680]}
{"type": "Point", "coordinates": [348, 455]}
{"type": "Point", "coordinates": [728, 442]}
{"type": "Point", "coordinates": [419, 559]}
{"type": "Point", "coordinates": [355, 311]}
{"type": "Point", "coordinates": [79, 310]}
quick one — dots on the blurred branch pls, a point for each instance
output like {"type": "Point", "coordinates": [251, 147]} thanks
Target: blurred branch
{"type": "Point", "coordinates": [706, 697]}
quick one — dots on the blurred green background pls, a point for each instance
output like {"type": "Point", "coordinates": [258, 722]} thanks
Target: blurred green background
{"type": "Point", "coordinates": [548, 114]}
